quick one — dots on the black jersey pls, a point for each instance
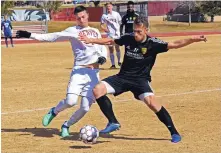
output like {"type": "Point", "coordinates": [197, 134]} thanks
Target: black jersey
{"type": "Point", "coordinates": [139, 58]}
{"type": "Point", "coordinates": [128, 21]}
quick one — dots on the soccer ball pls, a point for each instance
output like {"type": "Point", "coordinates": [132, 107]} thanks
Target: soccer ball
{"type": "Point", "coordinates": [89, 134]}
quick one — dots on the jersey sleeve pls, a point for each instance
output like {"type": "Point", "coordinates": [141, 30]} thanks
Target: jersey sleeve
{"type": "Point", "coordinates": [102, 19]}
{"type": "Point", "coordinates": [158, 46]}
{"type": "Point", "coordinates": [56, 36]}
{"type": "Point", "coordinates": [2, 24]}
{"type": "Point", "coordinates": [123, 40]}
{"type": "Point", "coordinates": [10, 24]}
{"type": "Point", "coordinates": [102, 50]}
{"type": "Point", "coordinates": [124, 20]}
{"type": "Point", "coordinates": [119, 18]}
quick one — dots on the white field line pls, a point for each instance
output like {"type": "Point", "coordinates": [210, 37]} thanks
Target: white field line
{"type": "Point", "coordinates": [121, 100]}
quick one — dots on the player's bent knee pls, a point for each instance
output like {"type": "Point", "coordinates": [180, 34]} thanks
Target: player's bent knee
{"type": "Point", "coordinates": [99, 90]}
{"type": "Point", "coordinates": [152, 103]}
{"type": "Point", "coordinates": [149, 100]}
{"type": "Point", "coordinates": [85, 109]}
{"type": "Point", "coordinates": [71, 99]}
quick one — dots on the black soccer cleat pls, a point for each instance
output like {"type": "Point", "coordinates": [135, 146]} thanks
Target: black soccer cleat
{"type": "Point", "coordinates": [113, 67]}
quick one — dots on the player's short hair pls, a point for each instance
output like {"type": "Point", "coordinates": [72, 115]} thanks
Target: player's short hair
{"type": "Point", "coordinates": [130, 3]}
{"type": "Point", "coordinates": [141, 20]}
{"type": "Point", "coordinates": [108, 3]}
{"type": "Point", "coordinates": [79, 9]}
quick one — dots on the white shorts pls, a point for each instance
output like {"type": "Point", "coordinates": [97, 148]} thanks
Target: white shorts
{"type": "Point", "coordinates": [82, 81]}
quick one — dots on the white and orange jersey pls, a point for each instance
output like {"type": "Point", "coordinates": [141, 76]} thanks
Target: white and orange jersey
{"type": "Point", "coordinates": [113, 22]}
{"type": "Point", "coordinates": [84, 54]}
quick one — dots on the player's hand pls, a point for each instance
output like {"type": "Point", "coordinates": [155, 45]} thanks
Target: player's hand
{"type": "Point", "coordinates": [85, 39]}
{"type": "Point", "coordinates": [101, 60]}
{"type": "Point", "coordinates": [199, 38]}
{"type": "Point", "coordinates": [2, 32]}
{"type": "Point", "coordinates": [11, 30]}
{"type": "Point", "coordinates": [23, 34]}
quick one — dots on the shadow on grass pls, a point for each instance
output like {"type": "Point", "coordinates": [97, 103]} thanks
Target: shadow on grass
{"type": "Point", "coordinates": [74, 136]}
{"type": "Point", "coordinates": [130, 138]}
{"type": "Point", "coordinates": [37, 132]}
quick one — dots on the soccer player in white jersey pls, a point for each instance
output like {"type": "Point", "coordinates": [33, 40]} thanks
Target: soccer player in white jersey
{"type": "Point", "coordinates": [85, 72]}
{"type": "Point", "coordinates": [112, 20]}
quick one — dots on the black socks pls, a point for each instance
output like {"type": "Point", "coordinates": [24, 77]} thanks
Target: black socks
{"type": "Point", "coordinates": [106, 107]}
{"type": "Point", "coordinates": [164, 117]}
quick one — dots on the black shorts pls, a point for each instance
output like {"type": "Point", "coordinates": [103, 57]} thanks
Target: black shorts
{"type": "Point", "coordinates": [122, 84]}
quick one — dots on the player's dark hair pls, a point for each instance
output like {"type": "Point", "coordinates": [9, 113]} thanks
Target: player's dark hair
{"type": "Point", "coordinates": [130, 3]}
{"type": "Point", "coordinates": [79, 9]}
{"type": "Point", "coordinates": [141, 20]}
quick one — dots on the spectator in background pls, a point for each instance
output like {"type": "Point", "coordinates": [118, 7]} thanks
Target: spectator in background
{"type": "Point", "coordinates": [7, 30]}
{"type": "Point", "coordinates": [128, 19]}
{"type": "Point", "coordinates": [110, 23]}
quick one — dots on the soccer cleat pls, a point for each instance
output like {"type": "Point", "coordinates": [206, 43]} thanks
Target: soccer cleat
{"type": "Point", "coordinates": [119, 64]}
{"type": "Point", "coordinates": [110, 128]}
{"type": "Point", "coordinates": [113, 67]}
{"type": "Point", "coordinates": [175, 138]}
{"type": "Point", "coordinates": [48, 117]}
{"type": "Point", "coordinates": [64, 131]}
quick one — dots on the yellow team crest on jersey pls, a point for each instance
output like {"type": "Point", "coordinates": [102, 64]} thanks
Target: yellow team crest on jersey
{"type": "Point", "coordinates": [144, 50]}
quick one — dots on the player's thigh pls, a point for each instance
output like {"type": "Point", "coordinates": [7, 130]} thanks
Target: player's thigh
{"type": "Point", "coordinates": [115, 85]}
{"type": "Point", "coordinates": [117, 47]}
{"type": "Point", "coordinates": [111, 48]}
{"type": "Point", "coordinates": [142, 89]}
{"type": "Point", "coordinates": [92, 81]}
{"type": "Point", "coordinates": [78, 80]}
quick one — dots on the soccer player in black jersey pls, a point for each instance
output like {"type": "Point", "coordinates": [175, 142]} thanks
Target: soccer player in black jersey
{"type": "Point", "coordinates": [128, 19]}
{"type": "Point", "coordinates": [140, 54]}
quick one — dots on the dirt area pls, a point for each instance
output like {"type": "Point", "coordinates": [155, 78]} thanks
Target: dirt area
{"type": "Point", "coordinates": [186, 81]}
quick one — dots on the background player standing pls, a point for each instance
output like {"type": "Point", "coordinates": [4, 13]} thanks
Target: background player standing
{"type": "Point", "coordinates": [128, 19]}
{"type": "Point", "coordinates": [7, 30]}
{"type": "Point", "coordinates": [112, 20]}
{"type": "Point", "coordinates": [85, 72]}
{"type": "Point", "coordinates": [140, 55]}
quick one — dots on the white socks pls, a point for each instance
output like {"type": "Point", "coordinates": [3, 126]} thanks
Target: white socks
{"type": "Point", "coordinates": [118, 56]}
{"type": "Point", "coordinates": [112, 58]}
{"type": "Point", "coordinates": [84, 108]}
{"type": "Point", "coordinates": [62, 105]}
{"type": "Point", "coordinates": [71, 100]}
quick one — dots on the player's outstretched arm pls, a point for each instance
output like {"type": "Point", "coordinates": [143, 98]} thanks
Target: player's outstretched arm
{"type": "Point", "coordinates": [185, 42]}
{"type": "Point", "coordinates": [51, 37]}
{"type": "Point", "coordinates": [100, 41]}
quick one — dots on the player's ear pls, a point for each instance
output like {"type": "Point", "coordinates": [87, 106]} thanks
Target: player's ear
{"type": "Point", "coordinates": [145, 30]}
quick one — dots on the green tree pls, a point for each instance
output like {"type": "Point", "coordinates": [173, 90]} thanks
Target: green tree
{"type": "Point", "coordinates": [211, 8]}
{"type": "Point", "coordinates": [50, 6]}
{"type": "Point", "coordinates": [6, 6]}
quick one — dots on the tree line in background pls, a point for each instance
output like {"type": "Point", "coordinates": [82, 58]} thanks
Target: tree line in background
{"type": "Point", "coordinates": [210, 8]}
